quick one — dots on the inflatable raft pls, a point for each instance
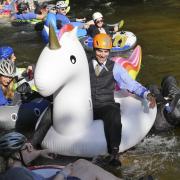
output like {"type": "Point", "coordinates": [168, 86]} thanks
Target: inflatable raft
{"type": "Point", "coordinates": [51, 19]}
{"type": "Point", "coordinates": [132, 63]}
{"type": "Point", "coordinates": [22, 115]}
{"type": "Point", "coordinates": [46, 171]}
{"type": "Point", "coordinates": [74, 132]}
{"type": "Point", "coordinates": [129, 42]}
{"type": "Point", "coordinates": [5, 14]}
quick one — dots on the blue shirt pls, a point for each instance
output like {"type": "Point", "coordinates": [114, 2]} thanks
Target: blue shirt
{"type": "Point", "coordinates": [124, 81]}
{"type": "Point", "coordinates": [64, 19]}
{"type": "Point", "coordinates": [25, 16]}
{"type": "Point", "coordinates": [3, 100]}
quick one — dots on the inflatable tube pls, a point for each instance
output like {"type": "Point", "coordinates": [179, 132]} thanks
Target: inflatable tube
{"type": "Point", "coordinates": [137, 120]}
{"type": "Point", "coordinates": [22, 115]}
{"type": "Point", "coordinates": [80, 32]}
{"type": "Point", "coordinates": [130, 42]}
{"type": "Point", "coordinates": [46, 171]}
{"type": "Point", "coordinates": [74, 132]}
{"type": "Point", "coordinates": [5, 13]}
{"type": "Point", "coordinates": [51, 18]}
{"type": "Point", "coordinates": [133, 63]}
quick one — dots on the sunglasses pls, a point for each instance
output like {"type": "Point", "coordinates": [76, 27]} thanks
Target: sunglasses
{"type": "Point", "coordinates": [100, 21]}
{"type": "Point", "coordinates": [63, 9]}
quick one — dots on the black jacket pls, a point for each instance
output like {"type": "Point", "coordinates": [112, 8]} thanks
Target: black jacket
{"type": "Point", "coordinates": [93, 30]}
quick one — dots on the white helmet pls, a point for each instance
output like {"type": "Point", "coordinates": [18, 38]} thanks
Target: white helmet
{"type": "Point", "coordinates": [61, 4]}
{"type": "Point", "coordinates": [97, 15]}
{"type": "Point", "coordinates": [7, 68]}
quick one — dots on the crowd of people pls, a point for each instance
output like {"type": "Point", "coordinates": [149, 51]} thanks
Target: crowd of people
{"type": "Point", "coordinates": [104, 75]}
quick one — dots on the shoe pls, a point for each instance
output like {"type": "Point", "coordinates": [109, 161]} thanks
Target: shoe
{"type": "Point", "coordinates": [115, 162]}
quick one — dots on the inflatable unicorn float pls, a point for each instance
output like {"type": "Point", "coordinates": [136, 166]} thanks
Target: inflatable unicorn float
{"type": "Point", "coordinates": [62, 70]}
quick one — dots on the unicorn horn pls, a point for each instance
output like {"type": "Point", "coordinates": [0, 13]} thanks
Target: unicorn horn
{"type": "Point", "coordinates": [53, 41]}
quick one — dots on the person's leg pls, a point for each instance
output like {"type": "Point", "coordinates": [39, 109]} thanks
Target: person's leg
{"type": "Point", "coordinates": [110, 114]}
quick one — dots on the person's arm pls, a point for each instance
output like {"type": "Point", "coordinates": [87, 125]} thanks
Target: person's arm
{"type": "Point", "coordinates": [80, 19]}
{"type": "Point", "coordinates": [124, 81]}
{"type": "Point", "coordinates": [40, 16]}
{"type": "Point", "coordinates": [30, 154]}
{"type": "Point", "coordinates": [28, 16]}
{"type": "Point", "coordinates": [84, 169]}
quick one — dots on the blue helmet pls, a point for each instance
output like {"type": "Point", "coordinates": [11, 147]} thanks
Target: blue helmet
{"type": "Point", "coordinates": [6, 52]}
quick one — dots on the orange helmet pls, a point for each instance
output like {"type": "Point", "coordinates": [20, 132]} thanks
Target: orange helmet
{"type": "Point", "coordinates": [102, 41]}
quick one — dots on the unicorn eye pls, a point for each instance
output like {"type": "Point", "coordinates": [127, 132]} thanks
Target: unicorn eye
{"type": "Point", "coordinates": [73, 59]}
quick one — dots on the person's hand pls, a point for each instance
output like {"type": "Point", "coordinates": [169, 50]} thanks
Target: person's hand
{"type": "Point", "coordinates": [81, 20]}
{"type": "Point", "coordinates": [116, 28]}
{"type": "Point", "coordinates": [30, 72]}
{"type": "Point", "coordinates": [86, 26]}
{"type": "Point", "coordinates": [29, 147]}
{"type": "Point", "coordinates": [152, 100]}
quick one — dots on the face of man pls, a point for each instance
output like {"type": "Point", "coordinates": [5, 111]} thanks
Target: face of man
{"type": "Point", "coordinates": [5, 81]}
{"type": "Point", "coordinates": [102, 55]}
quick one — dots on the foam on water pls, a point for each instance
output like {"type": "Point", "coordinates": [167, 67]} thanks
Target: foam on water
{"type": "Point", "coordinates": [156, 155]}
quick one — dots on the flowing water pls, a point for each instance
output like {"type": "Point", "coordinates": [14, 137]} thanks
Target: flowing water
{"type": "Point", "coordinates": [156, 24]}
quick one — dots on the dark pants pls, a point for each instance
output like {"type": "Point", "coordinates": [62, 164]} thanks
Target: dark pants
{"type": "Point", "coordinates": [110, 114]}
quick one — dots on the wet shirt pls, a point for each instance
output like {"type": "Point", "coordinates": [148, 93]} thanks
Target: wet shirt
{"type": "Point", "coordinates": [25, 16]}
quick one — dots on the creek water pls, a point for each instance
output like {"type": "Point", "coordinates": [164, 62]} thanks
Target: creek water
{"type": "Point", "coordinates": [156, 23]}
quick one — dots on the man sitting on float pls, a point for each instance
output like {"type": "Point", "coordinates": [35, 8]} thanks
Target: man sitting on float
{"type": "Point", "coordinates": [104, 73]}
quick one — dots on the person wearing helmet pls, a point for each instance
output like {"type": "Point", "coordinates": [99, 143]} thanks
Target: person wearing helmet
{"type": "Point", "coordinates": [104, 74]}
{"type": "Point", "coordinates": [7, 52]}
{"type": "Point", "coordinates": [24, 13]}
{"type": "Point", "coordinates": [99, 26]}
{"type": "Point", "coordinates": [61, 7]}
{"type": "Point", "coordinates": [17, 153]}
{"type": "Point", "coordinates": [7, 74]}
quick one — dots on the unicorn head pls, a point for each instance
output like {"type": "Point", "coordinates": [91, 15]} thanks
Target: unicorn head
{"type": "Point", "coordinates": [60, 62]}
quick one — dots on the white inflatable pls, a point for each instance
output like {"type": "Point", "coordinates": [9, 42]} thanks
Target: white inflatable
{"type": "Point", "coordinates": [62, 70]}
